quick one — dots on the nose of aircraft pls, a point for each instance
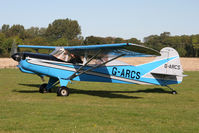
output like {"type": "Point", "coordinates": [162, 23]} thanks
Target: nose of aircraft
{"type": "Point", "coordinates": [16, 57]}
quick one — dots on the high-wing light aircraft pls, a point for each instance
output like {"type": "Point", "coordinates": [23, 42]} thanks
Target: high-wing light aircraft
{"type": "Point", "coordinates": [98, 63]}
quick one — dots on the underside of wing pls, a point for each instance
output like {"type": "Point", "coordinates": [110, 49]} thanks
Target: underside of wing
{"type": "Point", "coordinates": [135, 50]}
{"type": "Point", "coordinates": [126, 49]}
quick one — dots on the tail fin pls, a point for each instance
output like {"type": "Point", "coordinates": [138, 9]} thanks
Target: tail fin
{"type": "Point", "coordinates": [172, 66]}
{"type": "Point", "coordinates": [170, 70]}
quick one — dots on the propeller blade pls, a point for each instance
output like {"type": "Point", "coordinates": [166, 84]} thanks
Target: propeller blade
{"type": "Point", "coordinates": [13, 48]}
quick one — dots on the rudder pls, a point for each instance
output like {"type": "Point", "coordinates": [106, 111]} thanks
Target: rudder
{"type": "Point", "coordinates": [172, 66]}
{"type": "Point", "coordinates": [171, 70]}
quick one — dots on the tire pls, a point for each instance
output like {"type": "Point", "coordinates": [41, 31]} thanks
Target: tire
{"type": "Point", "coordinates": [174, 92]}
{"type": "Point", "coordinates": [63, 91]}
{"type": "Point", "coordinates": [42, 88]}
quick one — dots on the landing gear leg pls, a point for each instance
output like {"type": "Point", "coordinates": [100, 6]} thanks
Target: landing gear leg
{"type": "Point", "coordinates": [172, 90]}
{"type": "Point", "coordinates": [47, 87]}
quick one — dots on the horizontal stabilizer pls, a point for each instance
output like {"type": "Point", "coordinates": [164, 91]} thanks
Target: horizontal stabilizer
{"type": "Point", "coordinates": [181, 75]}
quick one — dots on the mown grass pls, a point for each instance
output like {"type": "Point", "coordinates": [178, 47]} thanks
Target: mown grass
{"type": "Point", "coordinates": [97, 107]}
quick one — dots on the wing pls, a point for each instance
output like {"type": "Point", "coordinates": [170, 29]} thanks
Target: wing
{"type": "Point", "coordinates": [129, 49]}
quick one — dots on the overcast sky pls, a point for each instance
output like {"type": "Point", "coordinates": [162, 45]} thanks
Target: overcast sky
{"type": "Point", "coordinates": [116, 18]}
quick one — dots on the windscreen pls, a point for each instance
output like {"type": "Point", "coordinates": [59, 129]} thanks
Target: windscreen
{"type": "Point", "coordinates": [61, 53]}
{"type": "Point", "coordinates": [65, 55]}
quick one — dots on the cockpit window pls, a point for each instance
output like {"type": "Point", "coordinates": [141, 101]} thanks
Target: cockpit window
{"type": "Point", "coordinates": [98, 61]}
{"type": "Point", "coordinates": [65, 55]}
{"type": "Point", "coordinates": [61, 53]}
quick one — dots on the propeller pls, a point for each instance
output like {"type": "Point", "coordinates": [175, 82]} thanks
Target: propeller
{"type": "Point", "coordinates": [17, 56]}
{"type": "Point", "coordinates": [13, 48]}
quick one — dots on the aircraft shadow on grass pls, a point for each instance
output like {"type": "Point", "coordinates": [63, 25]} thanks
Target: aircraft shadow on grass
{"type": "Point", "coordinates": [99, 93]}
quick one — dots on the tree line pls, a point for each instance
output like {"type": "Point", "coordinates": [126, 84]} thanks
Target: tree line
{"type": "Point", "coordinates": [67, 32]}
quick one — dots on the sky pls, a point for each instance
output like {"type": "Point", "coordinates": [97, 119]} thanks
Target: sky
{"type": "Point", "coordinates": [115, 18]}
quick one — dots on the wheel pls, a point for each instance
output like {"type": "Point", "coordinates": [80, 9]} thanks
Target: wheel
{"type": "Point", "coordinates": [42, 88]}
{"type": "Point", "coordinates": [63, 91]}
{"type": "Point", "coordinates": [174, 92]}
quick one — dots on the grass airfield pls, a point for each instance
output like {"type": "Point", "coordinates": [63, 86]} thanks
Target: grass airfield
{"type": "Point", "coordinates": [97, 107]}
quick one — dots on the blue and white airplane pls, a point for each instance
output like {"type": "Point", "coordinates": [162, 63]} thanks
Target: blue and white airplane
{"type": "Point", "coordinates": [98, 63]}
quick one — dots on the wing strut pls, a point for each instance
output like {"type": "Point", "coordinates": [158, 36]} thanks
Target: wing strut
{"type": "Point", "coordinates": [74, 75]}
{"type": "Point", "coordinates": [94, 67]}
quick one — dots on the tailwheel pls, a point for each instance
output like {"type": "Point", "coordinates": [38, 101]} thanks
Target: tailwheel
{"type": "Point", "coordinates": [42, 88]}
{"type": "Point", "coordinates": [174, 92]}
{"type": "Point", "coordinates": [63, 91]}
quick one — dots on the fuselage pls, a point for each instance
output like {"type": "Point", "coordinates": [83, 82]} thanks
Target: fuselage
{"type": "Point", "coordinates": [47, 65]}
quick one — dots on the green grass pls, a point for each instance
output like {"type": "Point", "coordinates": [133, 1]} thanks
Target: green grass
{"type": "Point", "coordinates": [97, 107]}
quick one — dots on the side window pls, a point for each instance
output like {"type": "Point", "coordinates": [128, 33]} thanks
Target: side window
{"type": "Point", "coordinates": [99, 60]}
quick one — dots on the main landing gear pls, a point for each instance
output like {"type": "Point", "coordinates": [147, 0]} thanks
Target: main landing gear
{"type": "Point", "coordinates": [42, 88]}
{"type": "Point", "coordinates": [63, 91]}
{"type": "Point", "coordinates": [172, 90]}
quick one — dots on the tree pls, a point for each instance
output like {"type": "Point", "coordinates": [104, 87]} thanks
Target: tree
{"type": "Point", "coordinates": [119, 40]}
{"type": "Point", "coordinates": [63, 28]}
{"type": "Point", "coordinates": [2, 40]}
{"type": "Point", "coordinates": [32, 32]}
{"type": "Point", "coordinates": [35, 31]}
{"type": "Point", "coordinates": [42, 31]}
{"type": "Point", "coordinates": [76, 42]}
{"type": "Point", "coordinates": [5, 45]}
{"type": "Point", "coordinates": [195, 43]}
{"type": "Point", "coordinates": [17, 30]}
{"type": "Point", "coordinates": [5, 28]}
{"type": "Point", "coordinates": [196, 48]}
{"type": "Point", "coordinates": [133, 40]}
{"type": "Point", "coordinates": [153, 41]}
{"type": "Point", "coordinates": [91, 40]}
{"type": "Point", "coordinates": [165, 34]}
{"type": "Point", "coordinates": [61, 42]}
{"type": "Point", "coordinates": [36, 41]}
